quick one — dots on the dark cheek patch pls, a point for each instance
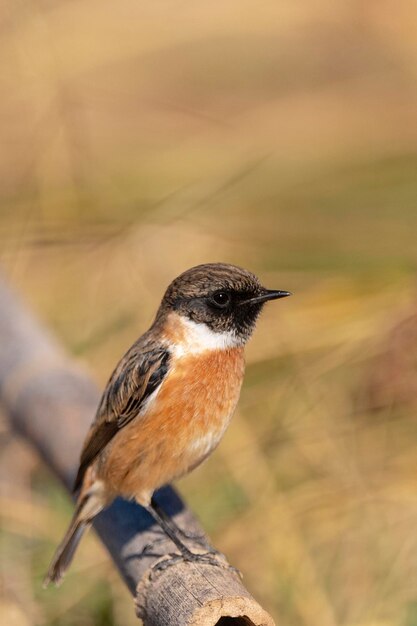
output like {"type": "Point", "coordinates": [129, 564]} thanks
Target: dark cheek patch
{"type": "Point", "coordinates": [245, 318]}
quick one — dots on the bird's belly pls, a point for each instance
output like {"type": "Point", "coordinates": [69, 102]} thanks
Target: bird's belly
{"type": "Point", "coordinates": [198, 444]}
{"type": "Point", "coordinates": [181, 427]}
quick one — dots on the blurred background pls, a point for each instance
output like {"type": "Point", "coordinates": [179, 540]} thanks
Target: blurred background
{"type": "Point", "coordinates": [141, 138]}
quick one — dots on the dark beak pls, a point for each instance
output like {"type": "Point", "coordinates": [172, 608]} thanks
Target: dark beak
{"type": "Point", "coordinates": [269, 294]}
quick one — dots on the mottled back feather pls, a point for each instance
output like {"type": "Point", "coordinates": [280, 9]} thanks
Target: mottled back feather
{"type": "Point", "coordinates": [138, 374]}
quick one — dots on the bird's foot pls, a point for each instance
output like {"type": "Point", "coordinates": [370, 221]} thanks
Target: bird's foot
{"type": "Point", "coordinates": [198, 539]}
{"type": "Point", "coordinates": [212, 557]}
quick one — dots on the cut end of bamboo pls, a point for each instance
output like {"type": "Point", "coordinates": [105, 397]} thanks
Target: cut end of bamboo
{"type": "Point", "coordinates": [187, 594]}
{"type": "Point", "coordinates": [231, 611]}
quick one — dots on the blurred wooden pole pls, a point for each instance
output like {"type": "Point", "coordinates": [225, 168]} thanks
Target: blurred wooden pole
{"type": "Point", "coordinates": [51, 401]}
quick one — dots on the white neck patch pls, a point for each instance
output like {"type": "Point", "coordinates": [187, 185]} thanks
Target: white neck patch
{"type": "Point", "coordinates": [200, 338]}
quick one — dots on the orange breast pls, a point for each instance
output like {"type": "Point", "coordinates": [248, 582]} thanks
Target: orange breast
{"type": "Point", "coordinates": [181, 426]}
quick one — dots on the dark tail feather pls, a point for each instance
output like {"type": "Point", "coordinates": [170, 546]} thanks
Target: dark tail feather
{"type": "Point", "coordinates": [88, 507]}
{"type": "Point", "coordinates": [65, 551]}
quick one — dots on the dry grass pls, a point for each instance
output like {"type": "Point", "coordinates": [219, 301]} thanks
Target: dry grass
{"type": "Point", "coordinates": [143, 138]}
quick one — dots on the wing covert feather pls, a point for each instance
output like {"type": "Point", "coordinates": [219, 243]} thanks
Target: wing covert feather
{"type": "Point", "coordinates": [136, 377]}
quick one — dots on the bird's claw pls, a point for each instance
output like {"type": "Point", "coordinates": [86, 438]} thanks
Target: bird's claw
{"type": "Point", "coordinates": [208, 558]}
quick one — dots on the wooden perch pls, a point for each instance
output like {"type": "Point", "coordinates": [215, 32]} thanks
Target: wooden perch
{"type": "Point", "coordinates": [51, 401]}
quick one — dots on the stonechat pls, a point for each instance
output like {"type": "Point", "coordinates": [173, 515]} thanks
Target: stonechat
{"type": "Point", "coordinates": [169, 400]}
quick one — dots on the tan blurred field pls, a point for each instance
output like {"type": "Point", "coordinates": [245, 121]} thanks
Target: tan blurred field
{"type": "Point", "coordinates": [140, 138]}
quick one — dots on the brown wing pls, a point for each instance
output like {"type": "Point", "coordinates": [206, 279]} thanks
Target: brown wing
{"type": "Point", "coordinates": [139, 373]}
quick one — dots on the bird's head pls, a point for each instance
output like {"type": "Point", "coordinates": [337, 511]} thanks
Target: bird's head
{"type": "Point", "coordinates": [223, 298]}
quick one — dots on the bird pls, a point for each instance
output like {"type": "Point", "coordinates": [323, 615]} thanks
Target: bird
{"type": "Point", "coordinates": [169, 400]}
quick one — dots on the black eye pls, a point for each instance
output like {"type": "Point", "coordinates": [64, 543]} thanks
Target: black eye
{"type": "Point", "coordinates": [221, 299]}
